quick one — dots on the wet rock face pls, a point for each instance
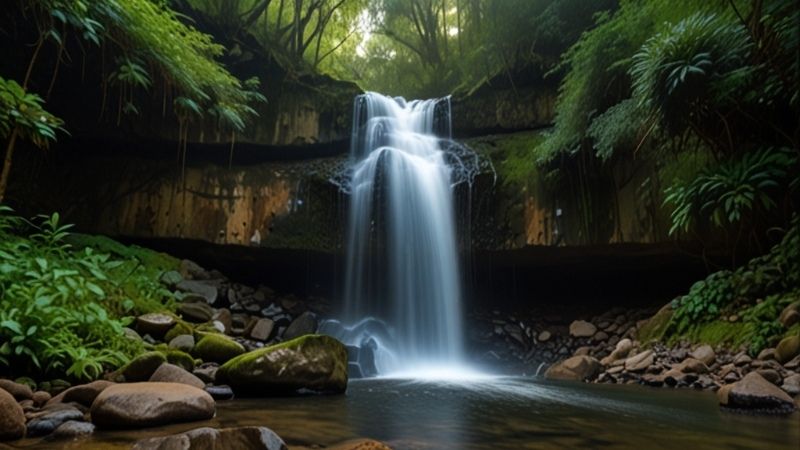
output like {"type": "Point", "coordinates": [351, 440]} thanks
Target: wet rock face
{"type": "Point", "coordinates": [492, 110]}
{"type": "Point", "coordinates": [150, 404]}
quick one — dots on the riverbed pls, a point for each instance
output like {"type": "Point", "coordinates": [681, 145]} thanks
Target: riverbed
{"type": "Point", "coordinates": [489, 413]}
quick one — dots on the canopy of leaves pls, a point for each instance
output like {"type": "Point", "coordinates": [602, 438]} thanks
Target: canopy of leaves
{"type": "Point", "coordinates": [154, 44]}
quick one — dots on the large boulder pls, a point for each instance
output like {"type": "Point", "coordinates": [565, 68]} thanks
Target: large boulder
{"type": "Point", "coordinates": [150, 404]}
{"type": "Point", "coordinates": [582, 328]}
{"type": "Point", "coordinates": [304, 324]}
{"type": "Point", "coordinates": [217, 348]}
{"type": "Point", "coordinates": [171, 373]}
{"type": "Point", "coordinates": [577, 368]}
{"type": "Point", "coordinates": [754, 394]}
{"type": "Point", "coordinates": [787, 348]}
{"type": "Point", "coordinates": [253, 438]}
{"type": "Point", "coordinates": [12, 418]}
{"type": "Point", "coordinates": [312, 362]}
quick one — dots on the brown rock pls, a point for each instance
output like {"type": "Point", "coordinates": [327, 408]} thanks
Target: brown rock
{"type": "Point", "coordinates": [790, 315]}
{"type": "Point", "coordinates": [766, 354]}
{"type": "Point", "coordinates": [223, 315]}
{"type": "Point", "coordinates": [150, 404]}
{"type": "Point", "coordinates": [622, 349]}
{"type": "Point", "coordinates": [83, 394]}
{"type": "Point", "coordinates": [771, 375]}
{"type": "Point", "coordinates": [691, 365]}
{"type": "Point", "coordinates": [41, 397]}
{"type": "Point", "coordinates": [576, 368]}
{"type": "Point", "coordinates": [171, 373]}
{"type": "Point", "coordinates": [544, 336]}
{"type": "Point", "coordinates": [794, 364]}
{"type": "Point", "coordinates": [640, 361]}
{"type": "Point", "coordinates": [262, 329]}
{"type": "Point", "coordinates": [18, 390]}
{"type": "Point", "coordinates": [12, 418]}
{"type": "Point", "coordinates": [154, 324]}
{"type": "Point", "coordinates": [755, 394]}
{"type": "Point", "coordinates": [705, 354]}
{"type": "Point", "coordinates": [742, 359]}
{"type": "Point", "coordinates": [252, 438]}
{"type": "Point", "coordinates": [582, 351]}
{"type": "Point", "coordinates": [582, 328]}
{"type": "Point", "coordinates": [791, 384]}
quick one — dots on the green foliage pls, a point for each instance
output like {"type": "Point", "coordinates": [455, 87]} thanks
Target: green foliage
{"type": "Point", "coordinates": [619, 126]}
{"type": "Point", "coordinates": [62, 310]}
{"type": "Point", "coordinates": [23, 112]}
{"type": "Point", "coordinates": [756, 293]}
{"type": "Point", "coordinates": [153, 43]}
{"type": "Point", "coordinates": [675, 71]}
{"type": "Point", "coordinates": [728, 192]}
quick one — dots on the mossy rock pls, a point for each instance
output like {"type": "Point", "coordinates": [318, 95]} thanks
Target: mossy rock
{"type": "Point", "coordinates": [180, 328]}
{"type": "Point", "coordinates": [27, 381]}
{"type": "Point", "coordinates": [217, 348]}
{"type": "Point", "coordinates": [655, 328]}
{"type": "Point", "coordinates": [312, 362]}
{"type": "Point", "coordinates": [787, 348]}
{"type": "Point", "coordinates": [180, 359]}
{"type": "Point", "coordinates": [141, 367]}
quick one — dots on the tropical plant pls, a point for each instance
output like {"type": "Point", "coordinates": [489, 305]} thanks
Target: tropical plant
{"type": "Point", "coordinates": [733, 190]}
{"type": "Point", "coordinates": [23, 116]}
{"type": "Point", "coordinates": [62, 309]}
{"type": "Point", "coordinates": [675, 72]}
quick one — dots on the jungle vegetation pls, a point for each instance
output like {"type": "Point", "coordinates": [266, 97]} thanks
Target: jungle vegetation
{"type": "Point", "coordinates": [703, 95]}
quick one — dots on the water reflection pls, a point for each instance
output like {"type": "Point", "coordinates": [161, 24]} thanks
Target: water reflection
{"type": "Point", "coordinates": [492, 413]}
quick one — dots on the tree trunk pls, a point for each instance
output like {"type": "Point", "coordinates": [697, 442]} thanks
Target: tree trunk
{"type": "Point", "coordinates": [7, 164]}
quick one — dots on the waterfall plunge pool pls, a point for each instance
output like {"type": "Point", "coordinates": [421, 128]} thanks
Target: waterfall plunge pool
{"type": "Point", "coordinates": [489, 413]}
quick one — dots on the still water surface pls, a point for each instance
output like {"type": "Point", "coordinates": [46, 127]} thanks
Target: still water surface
{"type": "Point", "coordinates": [491, 413]}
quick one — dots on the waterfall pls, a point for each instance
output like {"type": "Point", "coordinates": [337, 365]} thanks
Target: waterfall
{"type": "Point", "coordinates": [402, 266]}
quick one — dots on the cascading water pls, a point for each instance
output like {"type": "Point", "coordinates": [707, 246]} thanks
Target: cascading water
{"type": "Point", "coordinates": [402, 266]}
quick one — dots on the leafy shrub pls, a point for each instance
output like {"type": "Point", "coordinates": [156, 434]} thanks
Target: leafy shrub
{"type": "Point", "coordinates": [62, 311]}
{"type": "Point", "coordinates": [675, 70]}
{"type": "Point", "coordinates": [730, 191]}
{"type": "Point", "coordinates": [756, 292]}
